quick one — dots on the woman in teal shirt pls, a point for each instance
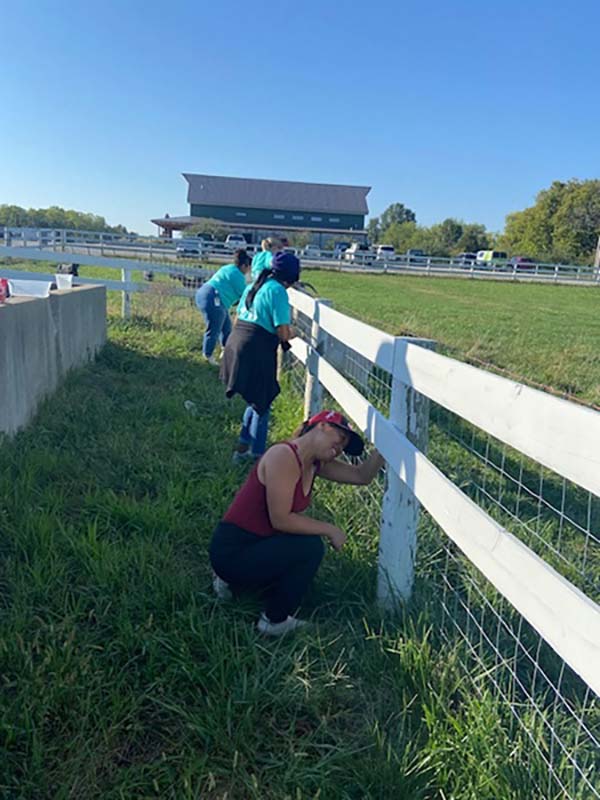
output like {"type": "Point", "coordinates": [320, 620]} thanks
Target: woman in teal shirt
{"type": "Point", "coordinates": [249, 365]}
{"type": "Point", "coordinates": [263, 259]}
{"type": "Point", "coordinates": [215, 297]}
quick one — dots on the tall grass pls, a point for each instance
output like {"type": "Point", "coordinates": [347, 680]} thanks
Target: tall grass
{"type": "Point", "coordinates": [123, 677]}
{"type": "Point", "coordinates": [546, 334]}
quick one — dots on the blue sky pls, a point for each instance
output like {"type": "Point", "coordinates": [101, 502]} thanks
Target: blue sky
{"type": "Point", "coordinates": [463, 109]}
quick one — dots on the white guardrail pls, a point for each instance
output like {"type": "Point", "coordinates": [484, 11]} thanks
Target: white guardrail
{"type": "Point", "coordinates": [159, 250]}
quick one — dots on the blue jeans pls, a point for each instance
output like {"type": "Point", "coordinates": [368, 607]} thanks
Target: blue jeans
{"type": "Point", "coordinates": [254, 430]}
{"type": "Point", "coordinates": [218, 321]}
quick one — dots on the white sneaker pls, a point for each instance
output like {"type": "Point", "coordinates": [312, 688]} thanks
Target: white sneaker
{"type": "Point", "coordinates": [221, 588]}
{"type": "Point", "coordinates": [269, 628]}
{"type": "Point", "coordinates": [212, 360]}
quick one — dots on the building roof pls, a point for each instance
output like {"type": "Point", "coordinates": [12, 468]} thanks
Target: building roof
{"type": "Point", "coordinates": [329, 198]}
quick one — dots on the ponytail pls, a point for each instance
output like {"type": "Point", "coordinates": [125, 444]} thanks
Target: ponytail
{"type": "Point", "coordinates": [258, 283]}
{"type": "Point", "coordinates": [302, 429]}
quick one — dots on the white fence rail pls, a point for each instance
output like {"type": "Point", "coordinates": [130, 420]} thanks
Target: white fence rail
{"type": "Point", "coordinates": [379, 380]}
{"type": "Point", "coordinates": [187, 275]}
{"type": "Point", "coordinates": [155, 249]}
{"type": "Point", "coordinates": [520, 525]}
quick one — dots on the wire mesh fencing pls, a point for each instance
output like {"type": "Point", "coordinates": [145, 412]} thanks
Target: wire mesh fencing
{"type": "Point", "coordinates": [549, 712]}
{"type": "Point", "coordinates": [560, 521]}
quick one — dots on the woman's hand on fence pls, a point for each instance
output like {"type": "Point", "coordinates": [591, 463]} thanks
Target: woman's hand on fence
{"type": "Point", "coordinates": [286, 332]}
{"type": "Point", "coordinates": [337, 537]}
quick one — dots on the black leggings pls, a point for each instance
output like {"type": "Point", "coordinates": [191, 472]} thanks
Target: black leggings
{"type": "Point", "coordinates": [282, 565]}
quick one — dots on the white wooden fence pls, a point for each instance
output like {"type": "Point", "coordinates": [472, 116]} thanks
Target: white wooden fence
{"type": "Point", "coordinates": [161, 250]}
{"type": "Point", "coordinates": [561, 436]}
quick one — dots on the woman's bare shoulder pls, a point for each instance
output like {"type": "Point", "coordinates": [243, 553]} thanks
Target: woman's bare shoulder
{"type": "Point", "coordinates": [278, 457]}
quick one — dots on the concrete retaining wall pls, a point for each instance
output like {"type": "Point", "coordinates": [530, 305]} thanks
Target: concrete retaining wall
{"type": "Point", "coordinates": [40, 340]}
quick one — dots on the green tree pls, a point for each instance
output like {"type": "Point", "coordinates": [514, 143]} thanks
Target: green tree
{"type": "Point", "coordinates": [442, 239]}
{"type": "Point", "coordinates": [299, 238]}
{"type": "Point", "coordinates": [576, 222]}
{"type": "Point", "coordinates": [396, 213]}
{"type": "Point", "coordinates": [407, 235]}
{"type": "Point", "coordinates": [55, 217]}
{"type": "Point", "coordinates": [445, 236]}
{"type": "Point", "coordinates": [212, 227]}
{"type": "Point", "coordinates": [474, 237]}
{"type": "Point", "coordinates": [562, 225]}
{"type": "Point", "coordinates": [373, 230]}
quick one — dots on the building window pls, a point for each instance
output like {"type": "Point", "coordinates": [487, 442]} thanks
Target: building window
{"type": "Point", "coordinates": [296, 216]}
{"type": "Point", "coordinates": [278, 216]}
{"type": "Point", "coordinates": [317, 219]}
{"type": "Point", "coordinates": [241, 214]}
{"type": "Point", "coordinates": [334, 219]}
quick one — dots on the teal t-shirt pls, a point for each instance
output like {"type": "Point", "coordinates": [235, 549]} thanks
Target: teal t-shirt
{"type": "Point", "coordinates": [260, 262]}
{"type": "Point", "coordinates": [270, 308]}
{"type": "Point", "coordinates": [230, 283]}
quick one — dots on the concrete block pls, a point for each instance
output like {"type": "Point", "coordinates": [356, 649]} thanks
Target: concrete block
{"type": "Point", "coordinates": [40, 341]}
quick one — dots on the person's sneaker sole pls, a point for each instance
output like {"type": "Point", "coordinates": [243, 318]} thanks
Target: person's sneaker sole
{"type": "Point", "coordinates": [268, 628]}
{"type": "Point", "coordinates": [221, 588]}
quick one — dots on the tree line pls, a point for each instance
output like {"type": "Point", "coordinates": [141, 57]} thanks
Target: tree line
{"type": "Point", "coordinates": [562, 225]}
{"type": "Point", "coordinates": [55, 217]}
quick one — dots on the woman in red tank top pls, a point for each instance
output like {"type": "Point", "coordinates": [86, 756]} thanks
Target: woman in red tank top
{"type": "Point", "coordinates": [265, 542]}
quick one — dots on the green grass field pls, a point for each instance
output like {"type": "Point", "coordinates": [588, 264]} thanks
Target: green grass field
{"type": "Point", "coordinates": [549, 335]}
{"type": "Point", "coordinates": [544, 334]}
{"type": "Point", "coordinates": [122, 677]}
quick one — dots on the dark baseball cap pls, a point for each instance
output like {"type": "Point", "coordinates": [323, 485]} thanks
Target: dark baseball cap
{"type": "Point", "coordinates": [286, 267]}
{"type": "Point", "coordinates": [355, 444]}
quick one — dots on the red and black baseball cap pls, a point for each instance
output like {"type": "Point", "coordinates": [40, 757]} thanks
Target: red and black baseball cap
{"type": "Point", "coordinates": [355, 445]}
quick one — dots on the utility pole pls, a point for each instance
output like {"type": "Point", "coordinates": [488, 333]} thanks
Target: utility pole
{"type": "Point", "coordinates": [597, 259]}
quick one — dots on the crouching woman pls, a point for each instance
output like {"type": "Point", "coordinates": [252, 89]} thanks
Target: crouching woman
{"type": "Point", "coordinates": [265, 542]}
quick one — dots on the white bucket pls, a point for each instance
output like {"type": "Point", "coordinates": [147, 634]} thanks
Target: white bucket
{"type": "Point", "coordinates": [64, 281]}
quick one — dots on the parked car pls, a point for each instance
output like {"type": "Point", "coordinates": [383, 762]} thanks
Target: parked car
{"type": "Point", "coordinates": [235, 241]}
{"type": "Point", "coordinates": [340, 248]}
{"type": "Point", "coordinates": [359, 253]}
{"type": "Point", "coordinates": [385, 252]}
{"type": "Point", "coordinates": [522, 263]}
{"type": "Point", "coordinates": [489, 259]}
{"type": "Point", "coordinates": [415, 256]}
{"type": "Point", "coordinates": [311, 251]}
{"type": "Point", "coordinates": [189, 248]}
{"type": "Point", "coordinates": [465, 259]}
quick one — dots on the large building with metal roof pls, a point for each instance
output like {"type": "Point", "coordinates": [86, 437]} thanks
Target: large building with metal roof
{"type": "Point", "coordinates": [258, 207]}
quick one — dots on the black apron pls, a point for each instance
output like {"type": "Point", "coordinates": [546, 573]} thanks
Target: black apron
{"type": "Point", "coordinates": [249, 365]}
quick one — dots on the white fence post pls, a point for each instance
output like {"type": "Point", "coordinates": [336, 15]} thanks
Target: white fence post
{"type": "Point", "coordinates": [126, 296]}
{"type": "Point", "coordinates": [313, 391]}
{"type": "Point", "coordinates": [409, 412]}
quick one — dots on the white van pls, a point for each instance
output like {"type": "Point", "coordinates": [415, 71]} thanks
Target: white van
{"type": "Point", "coordinates": [491, 258]}
{"type": "Point", "coordinates": [359, 253]}
{"type": "Point", "coordinates": [235, 241]}
{"type": "Point", "coordinates": [385, 252]}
